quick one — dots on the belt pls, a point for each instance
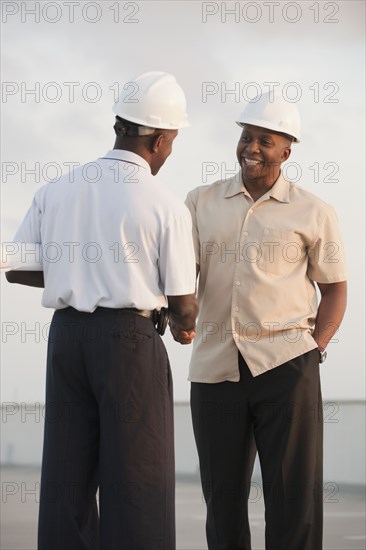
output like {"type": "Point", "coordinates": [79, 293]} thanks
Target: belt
{"type": "Point", "coordinates": [149, 314]}
{"type": "Point", "coordinates": [159, 318]}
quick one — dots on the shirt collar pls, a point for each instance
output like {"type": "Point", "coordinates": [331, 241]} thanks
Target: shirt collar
{"type": "Point", "coordinates": [235, 186]}
{"type": "Point", "coordinates": [127, 156]}
{"type": "Point", "coordinates": [280, 190]}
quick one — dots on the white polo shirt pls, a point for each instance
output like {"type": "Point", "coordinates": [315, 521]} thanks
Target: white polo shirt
{"type": "Point", "coordinates": [110, 235]}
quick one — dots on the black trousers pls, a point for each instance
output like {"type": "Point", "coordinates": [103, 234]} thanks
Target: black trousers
{"type": "Point", "coordinates": [279, 413]}
{"type": "Point", "coordinates": [108, 424]}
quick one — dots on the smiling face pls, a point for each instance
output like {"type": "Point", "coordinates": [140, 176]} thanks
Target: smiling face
{"type": "Point", "coordinates": [260, 153]}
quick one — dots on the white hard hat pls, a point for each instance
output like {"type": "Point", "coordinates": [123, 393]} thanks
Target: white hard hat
{"type": "Point", "coordinates": [155, 100]}
{"type": "Point", "coordinates": [273, 112]}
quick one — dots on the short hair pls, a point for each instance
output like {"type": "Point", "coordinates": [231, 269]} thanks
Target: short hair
{"type": "Point", "coordinates": [132, 129]}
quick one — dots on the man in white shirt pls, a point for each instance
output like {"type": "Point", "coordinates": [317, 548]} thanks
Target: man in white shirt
{"type": "Point", "coordinates": [115, 247]}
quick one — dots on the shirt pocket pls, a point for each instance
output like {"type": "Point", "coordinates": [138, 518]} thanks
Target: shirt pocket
{"type": "Point", "coordinates": [281, 251]}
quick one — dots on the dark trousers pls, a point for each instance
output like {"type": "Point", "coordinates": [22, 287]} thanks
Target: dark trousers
{"type": "Point", "coordinates": [108, 424]}
{"type": "Point", "coordinates": [279, 413]}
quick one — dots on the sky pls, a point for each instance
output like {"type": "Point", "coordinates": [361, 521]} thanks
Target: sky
{"type": "Point", "coordinates": [62, 63]}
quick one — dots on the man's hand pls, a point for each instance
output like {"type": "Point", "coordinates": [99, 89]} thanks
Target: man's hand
{"type": "Point", "coordinates": [182, 336]}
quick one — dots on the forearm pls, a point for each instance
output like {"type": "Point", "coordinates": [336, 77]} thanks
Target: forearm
{"type": "Point", "coordinates": [183, 311]}
{"type": "Point", "coordinates": [184, 320]}
{"type": "Point", "coordinates": [330, 313]}
{"type": "Point", "coordinates": [29, 278]}
{"type": "Point", "coordinates": [182, 317]}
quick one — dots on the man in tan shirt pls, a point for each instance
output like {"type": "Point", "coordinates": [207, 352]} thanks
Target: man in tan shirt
{"type": "Point", "coordinates": [261, 245]}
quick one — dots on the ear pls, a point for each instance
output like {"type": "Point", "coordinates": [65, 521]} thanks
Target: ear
{"type": "Point", "coordinates": [119, 129]}
{"type": "Point", "coordinates": [286, 153]}
{"type": "Point", "coordinates": [158, 140]}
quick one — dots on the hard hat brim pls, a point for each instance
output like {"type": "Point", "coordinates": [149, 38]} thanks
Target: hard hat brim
{"type": "Point", "coordinates": [268, 126]}
{"type": "Point", "coordinates": [141, 122]}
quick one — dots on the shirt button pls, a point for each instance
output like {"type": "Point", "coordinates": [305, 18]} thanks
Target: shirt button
{"type": "Point", "coordinates": [237, 283]}
{"type": "Point", "coordinates": [236, 308]}
{"type": "Point", "coordinates": [245, 233]}
{"type": "Point", "coordinates": [242, 258]}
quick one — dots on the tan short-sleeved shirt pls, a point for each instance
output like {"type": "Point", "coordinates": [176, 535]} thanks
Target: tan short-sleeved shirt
{"type": "Point", "coordinates": [258, 263]}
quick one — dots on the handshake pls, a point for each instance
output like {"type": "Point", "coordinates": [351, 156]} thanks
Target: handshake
{"type": "Point", "coordinates": [180, 335]}
{"type": "Point", "coordinates": [182, 316]}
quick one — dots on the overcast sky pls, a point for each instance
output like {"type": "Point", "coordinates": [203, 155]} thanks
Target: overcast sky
{"type": "Point", "coordinates": [74, 55]}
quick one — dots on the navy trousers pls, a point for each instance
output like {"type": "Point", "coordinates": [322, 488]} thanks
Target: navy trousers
{"type": "Point", "coordinates": [108, 425]}
{"type": "Point", "coordinates": [279, 413]}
